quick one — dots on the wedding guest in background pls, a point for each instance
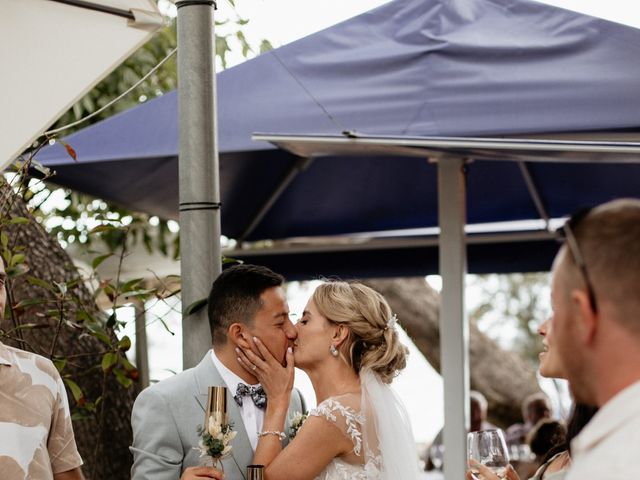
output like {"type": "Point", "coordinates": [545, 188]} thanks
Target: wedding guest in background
{"type": "Point", "coordinates": [478, 409]}
{"type": "Point", "coordinates": [556, 462]}
{"type": "Point", "coordinates": [245, 301]}
{"type": "Point", "coordinates": [36, 435]}
{"type": "Point", "coordinates": [545, 436]}
{"type": "Point", "coordinates": [349, 346]}
{"type": "Point", "coordinates": [534, 408]}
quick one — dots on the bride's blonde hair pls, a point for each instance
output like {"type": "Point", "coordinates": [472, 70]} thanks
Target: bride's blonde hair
{"type": "Point", "coordinates": [373, 340]}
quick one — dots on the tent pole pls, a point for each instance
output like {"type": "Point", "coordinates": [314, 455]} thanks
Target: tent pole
{"type": "Point", "coordinates": [454, 329]}
{"type": "Point", "coordinates": [142, 349]}
{"type": "Point", "coordinates": [200, 259]}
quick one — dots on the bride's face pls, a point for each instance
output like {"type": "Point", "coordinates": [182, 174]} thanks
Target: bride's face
{"type": "Point", "coordinates": [314, 337]}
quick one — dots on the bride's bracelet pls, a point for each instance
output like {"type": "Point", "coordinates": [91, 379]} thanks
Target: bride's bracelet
{"type": "Point", "coordinates": [280, 435]}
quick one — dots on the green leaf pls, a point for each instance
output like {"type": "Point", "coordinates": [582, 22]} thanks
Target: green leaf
{"type": "Point", "coordinates": [40, 283]}
{"type": "Point", "coordinates": [195, 306]}
{"type": "Point", "coordinates": [111, 321]}
{"type": "Point", "coordinates": [109, 359]}
{"type": "Point", "coordinates": [76, 391]}
{"type": "Point", "coordinates": [265, 46]}
{"type": "Point", "coordinates": [60, 363]}
{"type": "Point", "coordinates": [62, 288]}
{"type": "Point", "coordinates": [124, 344]}
{"type": "Point", "coordinates": [37, 166]}
{"type": "Point", "coordinates": [227, 260]}
{"type": "Point", "coordinates": [99, 259]}
{"type": "Point", "coordinates": [139, 293]}
{"type": "Point", "coordinates": [84, 316]}
{"type": "Point", "coordinates": [29, 302]}
{"type": "Point", "coordinates": [17, 270]}
{"type": "Point", "coordinates": [31, 326]}
{"type": "Point", "coordinates": [100, 335]}
{"type": "Point", "coordinates": [4, 240]}
{"type": "Point", "coordinates": [103, 228]}
{"type": "Point", "coordinates": [19, 221]}
{"type": "Point", "coordinates": [130, 285]}
{"type": "Point", "coordinates": [16, 259]}
{"type": "Point", "coordinates": [122, 378]}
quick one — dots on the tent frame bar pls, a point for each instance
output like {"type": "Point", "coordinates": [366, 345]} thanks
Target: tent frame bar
{"type": "Point", "coordinates": [442, 146]}
{"type": "Point", "coordinates": [301, 164]}
{"type": "Point", "coordinates": [535, 194]}
{"type": "Point", "coordinates": [98, 8]}
{"type": "Point", "coordinates": [333, 245]}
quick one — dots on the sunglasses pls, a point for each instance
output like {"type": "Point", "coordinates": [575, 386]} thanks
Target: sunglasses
{"type": "Point", "coordinates": [567, 236]}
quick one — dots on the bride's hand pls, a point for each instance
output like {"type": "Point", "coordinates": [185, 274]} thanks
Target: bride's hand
{"type": "Point", "coordinates": [276, 380]}
{"type": "Point", "coordinates": [487, 473]}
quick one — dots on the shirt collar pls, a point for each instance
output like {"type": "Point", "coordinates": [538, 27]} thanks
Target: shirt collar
{"type": "Point", "coordinates": [611, 417]}
{"type": "Point", "coordinates": [4, 355]}
{"type": "Point", "coordinates": [231, 379]}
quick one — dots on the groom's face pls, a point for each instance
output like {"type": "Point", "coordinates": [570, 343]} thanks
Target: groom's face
{"type": "Point", "coordinates": [272, 325]}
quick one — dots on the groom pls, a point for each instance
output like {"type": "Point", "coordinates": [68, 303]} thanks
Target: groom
{"type": "Point", "coordinates": [245, 301]}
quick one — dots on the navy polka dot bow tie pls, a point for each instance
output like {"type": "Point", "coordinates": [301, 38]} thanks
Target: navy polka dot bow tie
{"type": "Point", "coordinates": [256, 393]}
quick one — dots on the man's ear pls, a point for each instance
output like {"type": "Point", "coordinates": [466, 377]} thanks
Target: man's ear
{"type": "Point", "coordinates": [586, 319]}
{"type": "Point", "coordinates": [239, 336]}
{"type": "Point", "coordinates": [340, 334]}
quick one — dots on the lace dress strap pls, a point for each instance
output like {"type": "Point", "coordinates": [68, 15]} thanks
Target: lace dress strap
{"type": "Point", "coordinates": [346, 418]}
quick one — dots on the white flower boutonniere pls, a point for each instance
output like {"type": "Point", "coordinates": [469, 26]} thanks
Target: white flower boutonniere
{"type": "Point", "coordinates": [296, 422]}
{"type": "Point", "coordinates": [215, 440]}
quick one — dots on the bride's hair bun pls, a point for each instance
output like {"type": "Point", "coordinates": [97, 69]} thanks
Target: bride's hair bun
{"type": "Point", "coordinates": [373, 341]}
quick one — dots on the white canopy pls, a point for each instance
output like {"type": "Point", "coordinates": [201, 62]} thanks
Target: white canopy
{"type": "Point", "coordinates": [53, 52]}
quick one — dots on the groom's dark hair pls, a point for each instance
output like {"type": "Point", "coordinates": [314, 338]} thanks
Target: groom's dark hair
{"type": "Point", "coordinates": [235, 297]}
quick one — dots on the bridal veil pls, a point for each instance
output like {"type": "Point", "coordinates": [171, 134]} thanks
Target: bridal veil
{"type": "Point", "coordinates": [387, 436]}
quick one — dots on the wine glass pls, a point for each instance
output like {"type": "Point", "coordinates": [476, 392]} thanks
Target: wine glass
{"type": "Point", "coordinates": [436, 454]}
{"type": "Point", "coordinates": [488, 448]}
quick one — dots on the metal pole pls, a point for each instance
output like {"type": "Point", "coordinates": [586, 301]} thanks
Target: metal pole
{"type": "Point", "coordinates": [454, 329]}
{"type": "Point", "coordinates": [198, 170]}
{"type": "Point", "coordinates": [142, 350]}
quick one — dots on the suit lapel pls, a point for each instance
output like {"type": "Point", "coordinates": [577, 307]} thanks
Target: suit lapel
{"type": "Point", "coordinates": [206, 375]}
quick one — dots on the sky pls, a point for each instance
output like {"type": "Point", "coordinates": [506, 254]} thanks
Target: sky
{"type": "Point", "coordinates": [283, 21]}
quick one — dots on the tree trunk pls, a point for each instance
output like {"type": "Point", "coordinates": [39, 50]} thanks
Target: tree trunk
{"type": "Point", "coordinates": [502, 376]}
{"type": "Point", "coordinates": [102, 441]}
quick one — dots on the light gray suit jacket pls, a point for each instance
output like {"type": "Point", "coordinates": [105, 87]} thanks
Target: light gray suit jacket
{"type": "Point", "coordinates": [165, 418]}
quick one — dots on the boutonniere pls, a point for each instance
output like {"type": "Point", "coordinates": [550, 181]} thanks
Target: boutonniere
{"type": "Point", "coordinates": [215, 440]}
{"type": "Point", "coordinates": [217, 432]}
{"type": "Point", "coordinates": [296, 422]}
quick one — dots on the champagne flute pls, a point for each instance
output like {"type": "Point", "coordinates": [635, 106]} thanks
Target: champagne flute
{"type": "Point", "coordinates": [488, 448]}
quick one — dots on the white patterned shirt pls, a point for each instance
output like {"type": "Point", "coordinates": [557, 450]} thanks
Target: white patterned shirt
{"type": "Point", "coordinates": [36, 436]}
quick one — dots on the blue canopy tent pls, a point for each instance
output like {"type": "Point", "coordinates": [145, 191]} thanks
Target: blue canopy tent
{"type": "Point", "coordinates": [411, 67]}
{"type": "Point", "coordinates": [498, 69]}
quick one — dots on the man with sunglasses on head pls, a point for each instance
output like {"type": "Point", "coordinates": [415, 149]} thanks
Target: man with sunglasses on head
{"type": "Point", "coordinates": [595, 296]}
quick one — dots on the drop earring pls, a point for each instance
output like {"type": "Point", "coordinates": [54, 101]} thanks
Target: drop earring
{"type": "Point", "coordinates": [333, 350]}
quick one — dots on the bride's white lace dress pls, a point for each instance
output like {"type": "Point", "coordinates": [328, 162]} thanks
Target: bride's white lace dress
{"type": "Point", "coordinates": [344, 413]}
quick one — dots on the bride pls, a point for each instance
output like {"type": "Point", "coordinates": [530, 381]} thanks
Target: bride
{"type": "Point", "coordinates": [348, 345]}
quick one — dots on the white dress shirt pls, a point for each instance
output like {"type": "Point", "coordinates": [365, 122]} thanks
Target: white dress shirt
{"type": "Point", "coordinates": [252, 416]}
{"type": "Point", "coordinates": [609, 446]}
